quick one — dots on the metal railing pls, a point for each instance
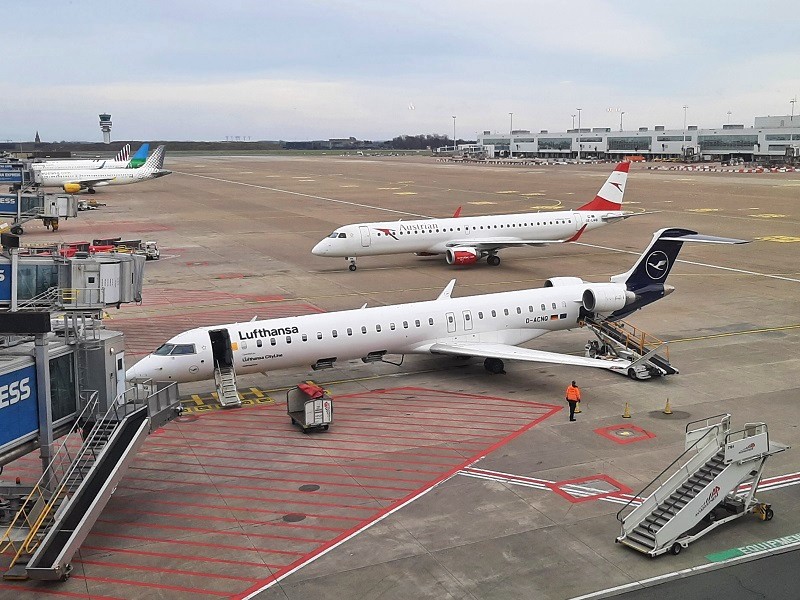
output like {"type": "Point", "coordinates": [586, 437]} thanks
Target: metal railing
{"type": "Point", "coordinates": [45, 496]}
{"type": "Point", "coordinates": [696, 446]}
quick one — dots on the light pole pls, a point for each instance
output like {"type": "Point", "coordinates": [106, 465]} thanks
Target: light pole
{"type": "Point", "coordinates": [683, 148]}
{"type": "Point", "coordinates": [511, 135]}
{"type": "Point", "coordinates": [579, 133]}
{"type": "Point", "coordinates": [729, 117]}
{"type": "Point", "coordinates": [622, 112]}
{"type": "Point", "coordinates": [573, 121]}
{"type": "Point", "coordinates": [454, 134]}
{"type": "Point", "coordinates": [793, 101]}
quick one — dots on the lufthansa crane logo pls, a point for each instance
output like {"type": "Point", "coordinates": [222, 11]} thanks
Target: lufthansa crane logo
{"type": "Point", "coordinates": [657, 265]}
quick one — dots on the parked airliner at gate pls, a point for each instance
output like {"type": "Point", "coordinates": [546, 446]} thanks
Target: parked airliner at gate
{"type": "Point", "coordinates": [466, 240]}
{"type": "Point", "coordinates": [489, 326]}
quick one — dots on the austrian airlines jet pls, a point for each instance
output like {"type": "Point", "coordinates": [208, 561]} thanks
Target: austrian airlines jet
{"type": "Point", "coordinates": [489, 326]}
{"type": "Point", "coordinates": [122, 160]}
{"type": "Point", "coordinates": [466, 240]}
{"type": "Point", "coordinates": [75, 180]}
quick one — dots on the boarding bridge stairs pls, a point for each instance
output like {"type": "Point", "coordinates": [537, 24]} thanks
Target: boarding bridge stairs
{"type": "Point", "coordinates": [620, 339]}
{"type": "Point", "coordinates": [704, 491]}
{"type": "Point", "coordinates": [64, 505]}
{"type": "Point", "coordinates": [225, 380]}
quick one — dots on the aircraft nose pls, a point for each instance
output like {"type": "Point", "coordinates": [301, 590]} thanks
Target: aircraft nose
{"type": "Point", "coordinates": [321, 249]}
{"type": "Point", "coordinates": [141, 370]}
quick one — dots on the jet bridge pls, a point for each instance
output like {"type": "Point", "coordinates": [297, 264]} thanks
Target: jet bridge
{"type": "Point", "coordinates": [714, 481]}
{"type": "Point", "coordinates": [21, 207]}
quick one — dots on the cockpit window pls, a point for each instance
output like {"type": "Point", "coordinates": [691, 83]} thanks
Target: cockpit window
{"type": "Point", "coordinates": [183, 349]}
{"type": "Point", "coordinates": [164, 350]}
{"type": "Point", "coordinates": [342, 235]}
{"type": "Point", "coordinates": [335, 234]}
{"type": "Point", "coordinates": [175, 349]}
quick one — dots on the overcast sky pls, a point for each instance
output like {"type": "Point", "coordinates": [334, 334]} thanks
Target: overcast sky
{"type": "Point", "coordinates": [375, 69]}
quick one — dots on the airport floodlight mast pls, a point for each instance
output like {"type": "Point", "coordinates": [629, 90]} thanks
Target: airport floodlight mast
{"type": "Point", "coordinates": [105, 127]}
{"type": "Point", "coordinates": [573, 121]}
{"type": "Point", "coordinates": [454, 134]}
{"type": "Point", "coordinates": [511, 135]}
{"type": "Point", "coordinates": [729, 117]}
{"type": "Point", "coordinates": [579, 133]}
{"type": "Point", "coordinates": [793, 101]}
{"type": "Point", "coordinates": [685, 107]}
{"type": "Point", "coordinates": [622, 112]}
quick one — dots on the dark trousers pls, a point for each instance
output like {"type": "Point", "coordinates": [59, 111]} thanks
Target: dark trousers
{"type": "Point", "coordinates": [573, 404]}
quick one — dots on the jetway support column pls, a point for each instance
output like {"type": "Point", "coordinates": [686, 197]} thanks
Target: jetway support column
{"type": "Point", "coordinates": [44, 408]}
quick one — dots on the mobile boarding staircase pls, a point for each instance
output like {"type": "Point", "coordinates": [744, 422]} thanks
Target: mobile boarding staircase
{"type": "Point", "coordinates": [714, 481]}
{"type": "Point", "coordinates": [620, 339]}
{"type": "Point", "coordinates": [225, 381]}
{"type": "Point", "coordinates": [59, 513]}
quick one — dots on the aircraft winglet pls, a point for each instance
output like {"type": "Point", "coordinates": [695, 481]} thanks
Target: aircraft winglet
{"type": "Point", "coordinates": [445, 295]}
{"type": "Point", "coordinates": [457, 213]}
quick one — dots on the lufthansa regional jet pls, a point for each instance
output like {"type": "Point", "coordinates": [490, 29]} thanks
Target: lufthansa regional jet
{"type": "Point", "coordinates": [488, 326]}
{"type": "Point", "coordinates": [466, 240]}
{"type": "Point", "coordinates": [75, 180]}
{"type": "Point", "coordinates": [122, 160]}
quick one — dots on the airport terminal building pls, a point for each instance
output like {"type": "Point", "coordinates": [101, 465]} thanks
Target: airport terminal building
{"type": "Point", "coordinates": [770, 139]}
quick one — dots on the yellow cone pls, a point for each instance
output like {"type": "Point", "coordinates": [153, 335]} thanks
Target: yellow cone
{"type": "Point", "coordinates": [667, 408]}
{"type": "Point", "coordinates": [627, 413]}
{"type": "Point", "coordinates": [578, 408]}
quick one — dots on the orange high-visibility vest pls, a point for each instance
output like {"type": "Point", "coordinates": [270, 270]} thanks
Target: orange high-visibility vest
{"type": "Point", "coordinates": [573, 393]}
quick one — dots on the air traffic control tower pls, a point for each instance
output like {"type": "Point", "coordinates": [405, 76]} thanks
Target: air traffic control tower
{"type": "Point", "coordinates": [105, 127]}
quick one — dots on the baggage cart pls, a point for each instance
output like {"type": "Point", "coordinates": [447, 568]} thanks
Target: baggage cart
{"type": "Point", "coordinates": [309, 406]}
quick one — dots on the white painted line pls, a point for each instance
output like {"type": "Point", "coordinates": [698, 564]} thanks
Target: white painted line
{"type": "Point", "coordinates": [271, 189]}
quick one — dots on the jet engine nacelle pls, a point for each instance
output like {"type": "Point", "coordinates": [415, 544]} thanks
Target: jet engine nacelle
{"type": "Point", "coordinates": [72, 188]}
{"type": "Point", "coordinates": [606, 297]}
{"type": "Point", "coordinates": [562, 281]}
{"type": "Point", "coordinates": [462, 256]}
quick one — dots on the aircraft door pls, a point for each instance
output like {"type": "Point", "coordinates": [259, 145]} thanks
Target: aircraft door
{"type": "Point", "coordinates": [467, 319]}
{"type": "Point", "coordinates": [221, 348]}
{"type": "Point", "coordinates": [578, 219]}
{"type": "Point", "coordinates": [364, 236]}
{"type": "Point", "coordinates": [451, 322]}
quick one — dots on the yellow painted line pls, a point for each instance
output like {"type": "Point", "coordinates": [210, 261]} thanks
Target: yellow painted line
{"type": "Point", "coordinates": [390, 188]}
{"type": "Point", "coordinates": [703, 210]}
{"type": "Point", "coordinates": [786, 239]}
{"type": "Point", "coordinates": [533, 194]}
{"type": "Point", "coordinates": [257, 392]}
{"type": "Point", "coordinates": [545, 206]}
{"type": "Point", "coordinates": [197, 400]}
{"type": "Point", "coordinates": [305, 180]}
{"type": "Point", "coordinates": [405, 193]}
{"type": "Point", "coordinates": [482, 202]}
{"type": "Point", "coordinates": [348, 186]}
{"type": "Point", "coordinates": [769, 216]}
{"type": "Point", "coordinates": [733, 333]}
{"type": "Point", "coordinates": [508, 192]}
{"type": "Point", "coordinates": [399, 182]}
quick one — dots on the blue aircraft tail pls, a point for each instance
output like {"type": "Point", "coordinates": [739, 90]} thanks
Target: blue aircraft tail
{"type": "Point", "coordinates": [646, 278]}
{"type": "Point", "coordinates": [140, 157]}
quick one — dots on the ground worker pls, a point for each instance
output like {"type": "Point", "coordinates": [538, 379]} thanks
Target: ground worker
{"type": "Point", "coordinates": [573, 396]}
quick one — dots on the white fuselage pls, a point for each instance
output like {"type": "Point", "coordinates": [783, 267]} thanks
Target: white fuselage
{"type": "Point", "coordinates": [53, 165]}
{"type": "Point", "coordinates": [259, 346]}
{"type": "Point", "coordinates": [435, 236]}
{"type": "Point", "coordinates": [60, 177]}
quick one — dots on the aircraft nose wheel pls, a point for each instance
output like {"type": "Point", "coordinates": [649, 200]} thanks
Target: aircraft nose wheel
{"type": "Point", "coordinates": [352, 260]}
{"type": "Point", "coordinates": [493, 260]}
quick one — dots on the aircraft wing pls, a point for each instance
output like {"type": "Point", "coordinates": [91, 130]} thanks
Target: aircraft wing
{"type": "Point", "coordinates": [612, 217]}
{"type": "Point", "coordinates": [91, 182]}
{"type": "Point", "coordinates": [507, 352]}
{"type": "Point", "coordinates": [496, 243]}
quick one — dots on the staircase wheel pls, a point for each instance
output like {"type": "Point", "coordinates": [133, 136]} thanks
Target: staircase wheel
{"type": "Point", "coordinates": [768, 514]}
{"type": "Point", "coordinates": [632, 374]}
{"type": "Point", "coordinates": [675, 549]}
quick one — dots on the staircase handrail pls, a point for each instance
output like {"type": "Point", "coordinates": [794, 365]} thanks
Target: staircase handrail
{"type": "Point", "coordinates": [45, 298]}
{"type": "Point", "coordinates": [39, 490]}
{"type": "Point", "coordinates": [641, 493]}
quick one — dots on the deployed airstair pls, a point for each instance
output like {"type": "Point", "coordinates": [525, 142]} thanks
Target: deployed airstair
{"type": "Point", "coordinates": [225, 380]}
{"type": "Point", "coordinates": [620, 339]}
{"type": "Point", "coordinates": [702, 489]}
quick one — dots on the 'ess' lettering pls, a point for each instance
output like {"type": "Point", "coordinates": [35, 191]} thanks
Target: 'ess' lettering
{"type": "Point", "coordinates": [14, 392]}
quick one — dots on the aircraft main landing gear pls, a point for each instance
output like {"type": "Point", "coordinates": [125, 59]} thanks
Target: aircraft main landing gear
{"type": "Point", "coordinates": [92, 191]}
{"type": "Point", "coordinates": [495, 366]}
{"type": "Point", "coordinates": [493, 260]}
{"type": "Point", "coordinates": [352, 260]}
